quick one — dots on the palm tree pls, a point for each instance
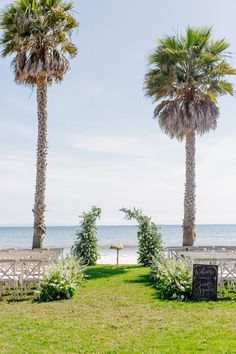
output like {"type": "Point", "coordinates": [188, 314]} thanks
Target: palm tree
{"type": "Point", "coordinates": [37, 33]}
{"type": "Point", "coordinates": [186, 74]}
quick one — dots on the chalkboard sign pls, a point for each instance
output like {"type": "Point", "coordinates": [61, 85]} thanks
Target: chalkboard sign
{"type": "Point", "coordinates": [205, 278]}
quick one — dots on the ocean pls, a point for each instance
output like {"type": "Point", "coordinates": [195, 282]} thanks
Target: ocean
{"type": "Point", "coordinates": [63, 236]}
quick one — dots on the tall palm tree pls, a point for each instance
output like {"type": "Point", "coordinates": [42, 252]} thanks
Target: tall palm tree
{"type": "Point", "coordinates": [186, 75]}
{"type": "Point", "coordinates": [37, 33]}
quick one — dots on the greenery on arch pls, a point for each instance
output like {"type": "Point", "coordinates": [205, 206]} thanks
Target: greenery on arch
{"type": "Point", "coordinates": [149, 239]}
{"type": "Point", "coordinates": [85, 247]}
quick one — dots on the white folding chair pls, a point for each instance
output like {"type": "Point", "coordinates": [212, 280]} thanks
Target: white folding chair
{"type": "Point", "coordinates": [31, 273]}
{"type": "Point", "coordinates": [8, 276]}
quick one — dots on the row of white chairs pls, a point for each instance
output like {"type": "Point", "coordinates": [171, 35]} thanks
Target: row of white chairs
{"type": "Point", "coordinates": [45, 254]}
{"type": "Point", "coordinates": [177, 249]}
{"type": "Point", "coordinates": [224, 258]}
{"type": "Point", "coordinates": [20, 275]}
{"type": "Point", "coordinates": [226, 272]}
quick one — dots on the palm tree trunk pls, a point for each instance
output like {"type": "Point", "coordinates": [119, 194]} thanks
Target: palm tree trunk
{"type": "Point", "coordinates": [189, 197]}
{"type": "Point", "coordinates": [39, 203]}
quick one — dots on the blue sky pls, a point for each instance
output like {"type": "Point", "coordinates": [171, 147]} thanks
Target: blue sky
{"type": "Point", "coordinates": [104, 147]}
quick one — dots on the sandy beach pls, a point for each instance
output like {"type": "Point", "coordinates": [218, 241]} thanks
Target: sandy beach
{"type": "Point", "coordinates": [128, 255]}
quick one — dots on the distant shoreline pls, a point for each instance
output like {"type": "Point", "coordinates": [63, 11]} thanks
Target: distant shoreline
{"type": "Point", "coordinates": [111, 225]}
{"type": "Point", "coordinates": [64, 236]}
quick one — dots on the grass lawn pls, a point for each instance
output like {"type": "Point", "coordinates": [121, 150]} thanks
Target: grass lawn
{"type": "Point", "coordinates": [116, 311]}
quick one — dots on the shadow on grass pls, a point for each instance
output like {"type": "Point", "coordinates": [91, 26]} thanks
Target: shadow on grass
{"type": "Point", "coordinates": [106, 271]}
{"type": "Point", "coordinates": [228, 298]}
{"type": "Point", "coordinates": [141, 279]}
{"type": "Point", "coordinates": [11, 298]}
{"type": "Point", "coordinates": [29, 299]}
{"type": "Point", "coordinates": [8, 299]}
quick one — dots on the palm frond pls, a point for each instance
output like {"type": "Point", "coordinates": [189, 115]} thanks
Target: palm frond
{"type": "Point", "coordinates": [226, 87]}
{"type": "Point", "coordinates": [218, 47]}
{"type": "Point", "coordinates": [185, 76]}
{"type": "Point", "coordinates": [178, 117]}
{"type": "Point", "coordinates": [39, 31]}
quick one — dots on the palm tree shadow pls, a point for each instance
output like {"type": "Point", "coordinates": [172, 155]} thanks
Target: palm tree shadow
{"type": "Point", "coordinates": [94, 273]}
{"type": "Point", "coordinates": [142, 279]}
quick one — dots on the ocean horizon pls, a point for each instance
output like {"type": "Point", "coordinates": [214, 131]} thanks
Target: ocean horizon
{"type": "Point", "coordinates": [64, 236]}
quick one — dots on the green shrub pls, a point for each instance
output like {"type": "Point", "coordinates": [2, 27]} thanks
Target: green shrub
{"type": "Point", "coordinates": [173, 278]}
{"type": "Point", "coordinates": [61, 280]}
{"type": "Point", "coordinates": [85, 246]}
{"type": "Point", "coordinates": [149, 239]}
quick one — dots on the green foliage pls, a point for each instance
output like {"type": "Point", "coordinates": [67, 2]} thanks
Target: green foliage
{"type": "Point", "coordinates": [38, 34]}
{"type": "Point", "coordinates": [193, 61]}
{"type": "Point", "coordinates": [229, 293]}
{"type": "Point", "coordinates": [117, 311]}
{"type": "Point", "coordinates": [173, 278]}
{"type": "Point", "coordinates": [186, 75]}
{"type": "Point", "coordinates": [61, 280]}
{"type": "Point", "coordinates": [150, 243]}
{"type": "Point", "coordinates": [85, 246]}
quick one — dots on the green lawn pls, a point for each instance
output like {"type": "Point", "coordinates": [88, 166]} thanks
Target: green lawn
{"type": "Point", "coordinates": [116, 311]}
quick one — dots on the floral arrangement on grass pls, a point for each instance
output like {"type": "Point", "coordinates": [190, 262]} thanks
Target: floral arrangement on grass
{"type": "Point", "coordinates": [173, 278]}
{"type": "Point", "coordinates": [61, 280]}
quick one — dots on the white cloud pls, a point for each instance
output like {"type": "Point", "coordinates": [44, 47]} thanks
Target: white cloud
{"type": "Point", "coordinates": [119, 157]}
{"type": "Point", "coordinates": [152, 146]}
{"type": "Point", "coordinates": [148, 176]}
{"type": "Point", "coordinates": [10, 129]}
{"type": "Point", "coordinates": [101, 144]}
